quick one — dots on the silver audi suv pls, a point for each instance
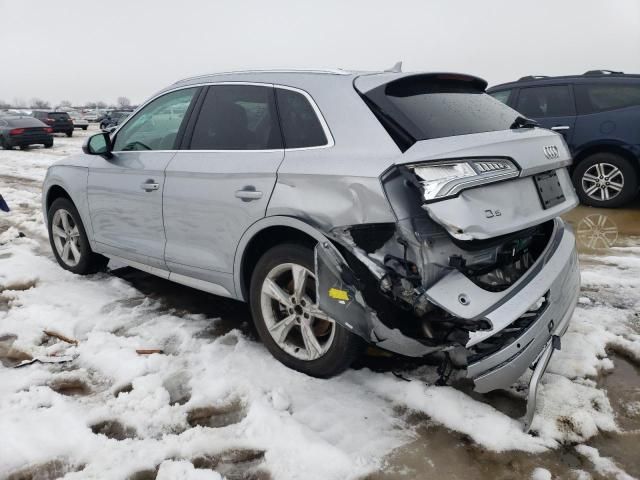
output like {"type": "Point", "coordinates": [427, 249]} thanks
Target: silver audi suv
{"type": "Point", "coordinates": [410, 211]}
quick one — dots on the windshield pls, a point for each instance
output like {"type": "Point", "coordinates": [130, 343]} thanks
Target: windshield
{"type": "Point", "coordinates": [423, 107]}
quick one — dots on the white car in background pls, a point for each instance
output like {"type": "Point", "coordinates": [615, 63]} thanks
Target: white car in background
{"type": "Point", "coordinates": [94, 115]}
{"type": "Point", "coordinates": [79, 120]}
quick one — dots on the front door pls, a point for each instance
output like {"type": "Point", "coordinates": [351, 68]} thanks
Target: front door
{"type": "Point", "coordinates": [552, 106]}
{"type": "Point", "coordinates": [125, 192]}
{"type": "Point", "coordinates": [220, 182]}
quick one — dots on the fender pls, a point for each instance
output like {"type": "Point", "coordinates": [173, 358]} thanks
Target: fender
{"type": "Point", "coordinates": [257, 227]}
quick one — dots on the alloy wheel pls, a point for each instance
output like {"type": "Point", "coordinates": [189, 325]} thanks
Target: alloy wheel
{"type": "Point", "coordinates": [602, 181]}
{"type": "Point", "coordinates": [66, 237]}
{"type": "Point", "coordinates": [291, 313]}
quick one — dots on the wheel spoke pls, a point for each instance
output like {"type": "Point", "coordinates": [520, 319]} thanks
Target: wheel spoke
{"type": "Point", "coordinates": [314, 311]}
{"type": "Point", "coordinates": [614, 172]}
{"type": "Point", "coordinates": [589, 177]}
{"type": "Point", "coordinates": [311, 345]}
{"type": "Point", "coordinates": [599, 169]}
{"type": "Point", "coordinates": [299, 280]}
{"type": "Point", "coordinates": [65, 252]}
{"type": "Point", "coordinates": [64, 216]}
{"type": "Point", "coordinates": [74, 232]}
{"type": "Point", "coordinates": [280, 330]}
{"type": "Point", "coordinates": [75, 251]}
{"type": "Point", "coordinates": [615, 186]}
{"type": "Point", "coordinates": [274, 291]}
{"type": "Point", "coordinates": [58, 231]}
{"type": "Point", "coordinates": [592, 190]}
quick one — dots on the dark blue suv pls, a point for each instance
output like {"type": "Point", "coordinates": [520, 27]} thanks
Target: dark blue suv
{"type": "Point", "coordinates": [598, 113]}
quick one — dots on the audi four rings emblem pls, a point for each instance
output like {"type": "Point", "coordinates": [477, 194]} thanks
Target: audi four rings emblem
{"type": "Point", "coordinates": [551, 152]}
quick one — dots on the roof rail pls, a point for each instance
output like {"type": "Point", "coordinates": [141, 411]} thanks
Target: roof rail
{"type": "Point", "coordinates": [337, 71]}
{"type": "Point", "coordinates": [531, 77]}
{"type": "Point", "coordinates": [603, 72]}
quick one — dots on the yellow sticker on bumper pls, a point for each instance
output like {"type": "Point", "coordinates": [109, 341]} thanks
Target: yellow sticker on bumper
{"type": "Point", "coordinates": [338, 294]}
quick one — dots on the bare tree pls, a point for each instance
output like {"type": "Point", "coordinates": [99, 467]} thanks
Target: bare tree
{"type": "Point", "coordinates": [101, 105]}
{"type": "Point", "coordinates": [124, 102]}
{"type": "Point", "coordinates": [65, 104]}
{"type": "Point", "coordinates": [19, 102]}
{"type": "Point", "coordinates": [39, 103]}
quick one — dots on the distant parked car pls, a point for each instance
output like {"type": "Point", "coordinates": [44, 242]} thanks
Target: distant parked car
{"type": "Point", "coordinates": [59, 121]}
{"type": "Point", "coordinates": [94, 115]}
{"type": "Point", "coordinates": [22, 131]}
{"type": "Point", "coordinates": [598, 113]}
{"type": "Point", "coordinates": [79, 121]}
{"type": "Point", "coordinates": [113, 119]}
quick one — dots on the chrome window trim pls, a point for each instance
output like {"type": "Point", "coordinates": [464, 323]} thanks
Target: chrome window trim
{"type": "Point", "coordinates": [325, 126]}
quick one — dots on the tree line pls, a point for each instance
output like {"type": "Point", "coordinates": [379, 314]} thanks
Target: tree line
{"type": "Point", "coordinates": [38, 103]}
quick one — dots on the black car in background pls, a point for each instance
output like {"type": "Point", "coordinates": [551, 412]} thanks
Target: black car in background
{"type": "Point", "coordinates": [598, 113]}
{"type": "Point", "coordinates": [60, 121]}
{"type": "Point", "coordinates": [112, 119]}
{"type": "Point", "coordinates": [23, 131]}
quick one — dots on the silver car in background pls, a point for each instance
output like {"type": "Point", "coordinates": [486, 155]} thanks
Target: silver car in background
{"type": "Point", "coordinates": [410, 211]}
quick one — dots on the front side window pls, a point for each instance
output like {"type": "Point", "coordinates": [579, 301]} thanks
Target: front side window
{"type": "Point", "coordinates": [599, 98]}
{"type": "Point", "coordinates": [301, 127]}
{"type": "Point", "coordinates": [548, 101]}
{"type": "Point", "coordinates": [502, 96]}
{"type": "Point", "coordinates": [237, 117]}
{"type": "Point", "coordinates": [156, 126]}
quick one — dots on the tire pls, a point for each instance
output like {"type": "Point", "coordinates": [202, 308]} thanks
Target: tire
{"type": "Point", "coordinates": [6, 145]}
{"type": "Point", "coordinates": [24, 147]}
{"type": "Point", "coordinates": [86, 261]}
{"type": "Point", "coordinates": [84, 128]}
{"type": "Point", "coordinates": [69, 133]}
{"type": "Point", "coordinates": [48, 144]}
{"type": "Point", "coordinates": [338, 347]}
{"type": "Point", "coordinates": [605, 180]}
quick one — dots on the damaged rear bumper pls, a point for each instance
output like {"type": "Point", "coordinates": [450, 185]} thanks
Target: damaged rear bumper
{"type": "Point", "coordinates": [518, 323]}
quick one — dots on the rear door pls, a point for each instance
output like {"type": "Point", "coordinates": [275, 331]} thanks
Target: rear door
{"type": "Point", "coordinates": [220, 182]}
{"type": "Point", "coordinates": [553, 106]}
{"type": "Point", "coordinates": [125, 191]}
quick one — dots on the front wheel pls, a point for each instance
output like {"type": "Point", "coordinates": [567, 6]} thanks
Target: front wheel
{"type": "Point", "coordinates": [605, 180]}
{"type": "Point", "coordinates": [290, 323]}
{"type": "Point", "coordinates": [84, 128]}
{"type": "Point", "coordinates": [69, 240]}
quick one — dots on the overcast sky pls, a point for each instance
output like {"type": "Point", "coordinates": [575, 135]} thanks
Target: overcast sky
{"type": "Point", "coordinates": [88, 50]}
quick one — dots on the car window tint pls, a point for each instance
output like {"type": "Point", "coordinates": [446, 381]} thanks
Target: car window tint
{"type": "Point", "coordinates": [237, 117]}
{"type": "Point", "coordinates": [548, 101]}
{"type": "Point", "coordinates": [598, 98]}
{"type": "Point", "coordinates": [156, 126]}
{"type": "Point", "coordinates": [502, 95]}
{"type": "Point", "coordinates": [300, 124]}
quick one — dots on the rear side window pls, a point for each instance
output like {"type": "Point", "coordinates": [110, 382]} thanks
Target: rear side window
{"type": "Point", "coordinates": [599, 98]}
{"type": "Point", "coordinates": [548, 101]}
{"type": "Point", "coordinates": [301, 126]}
{"type": "Point", "coordinates": [237, 117]}
{"type": "Point", "coordinates": [501, 96]}
{"type": "Point", "coordinates": [423, 107]}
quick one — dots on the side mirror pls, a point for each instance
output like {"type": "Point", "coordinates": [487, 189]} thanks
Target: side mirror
{"type": "Point", "coordinates": [99, 144]}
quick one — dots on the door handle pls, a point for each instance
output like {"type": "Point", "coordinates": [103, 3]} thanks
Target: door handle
{"type": "Point", "coordinates": [561, 127]}
{"type": "Point", "coordinates": [149, 186]}
{"type": "Point", "coordinates": [248, 193]}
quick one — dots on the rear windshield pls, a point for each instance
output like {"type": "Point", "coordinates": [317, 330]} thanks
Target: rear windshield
{"type": "Point", "coordinates": [58, 115]}
{"type": "Point", "coordinates": [24, 122]}
{"type": "Point", "coordinates": [425, 107]}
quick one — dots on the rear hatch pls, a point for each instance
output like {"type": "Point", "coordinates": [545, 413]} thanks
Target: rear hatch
{"type": "Point", "coordinates": [59, 120]}
{"type": "Point", "coordinates": [483, 170]}
{"type": "Point", "coordinates": [28, 128]}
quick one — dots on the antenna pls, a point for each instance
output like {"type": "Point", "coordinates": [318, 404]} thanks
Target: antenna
{"type": "Point", "coordinates": [397, 68]}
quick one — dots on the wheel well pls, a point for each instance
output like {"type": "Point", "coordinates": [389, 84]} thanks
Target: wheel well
{"type": "Point", "coordinates": [607, 149]}
{"type": "Point", "coordinates": [263, 241]}
{"type": "Point", "coordinates": [54, 193]}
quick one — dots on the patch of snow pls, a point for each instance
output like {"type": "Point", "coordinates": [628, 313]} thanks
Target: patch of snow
{"type": "Point", "coordinates": [541, 474]}
{"type": "Point", "coordinates": [603, 465]}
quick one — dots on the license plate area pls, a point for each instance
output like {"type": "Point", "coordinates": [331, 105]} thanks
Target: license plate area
{"type": "Point", "coordinates": [549, 189]}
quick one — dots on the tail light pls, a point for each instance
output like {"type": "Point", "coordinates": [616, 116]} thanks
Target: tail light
{"type": "Point", "coordinates": [48, 129]}
{"type": "Point", "coordinates": [16, 131]}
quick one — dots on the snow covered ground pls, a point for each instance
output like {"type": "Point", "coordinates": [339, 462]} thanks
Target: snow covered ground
{"type": "Point", "coordinates": [215, 404]}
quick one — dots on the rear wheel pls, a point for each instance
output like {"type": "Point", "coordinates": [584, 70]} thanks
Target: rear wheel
{"type": "Point", "coordinates": [84, 128]}
{"type": "Point", "coordinates": [6, 145]}
{"type": "Point", "coordinates": [69, 240]}
{"type": "Point", "coordinates": [48, 144]}
{"type": "Point", "coordinates": [69, 133]}
{"type": "Point", "coordinates": [288, 319]}
{"type": "Point", "coordinates": [605, 180]}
